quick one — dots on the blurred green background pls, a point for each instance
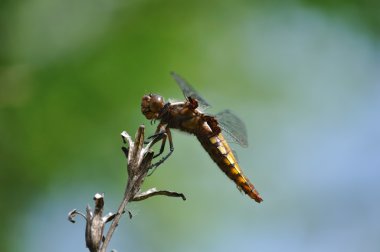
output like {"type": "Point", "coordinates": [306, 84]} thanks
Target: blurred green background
{"type": "Point", "coordinates": [304, 76]}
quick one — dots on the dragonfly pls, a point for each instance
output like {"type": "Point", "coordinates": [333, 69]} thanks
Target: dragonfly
{"type": "Point", "coordinates": [211, 130]}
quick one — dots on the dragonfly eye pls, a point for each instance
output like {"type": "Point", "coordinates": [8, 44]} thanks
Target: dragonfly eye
{"type": "Point", "coordinates": [151, 105]}
{"type": "Point", "coordinates": [156, 103]}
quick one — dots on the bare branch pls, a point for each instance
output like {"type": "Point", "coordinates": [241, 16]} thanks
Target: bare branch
{"type": "Point", "coordinates": [139, 163]}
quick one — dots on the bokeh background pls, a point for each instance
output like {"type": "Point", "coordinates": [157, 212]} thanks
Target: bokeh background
{"type": "Point", "coordinates": [304, 76]}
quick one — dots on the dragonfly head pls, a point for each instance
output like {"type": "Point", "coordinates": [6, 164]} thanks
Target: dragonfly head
{"type": "Point", "coordinates": [151, 106]}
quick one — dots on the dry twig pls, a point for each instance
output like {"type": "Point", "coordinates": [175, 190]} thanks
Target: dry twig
{"type": "Point", "coordinates": [139, 163]}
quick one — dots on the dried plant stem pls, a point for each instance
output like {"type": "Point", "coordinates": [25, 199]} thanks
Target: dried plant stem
{"type": "Point", "coordinates": [115, 222]}
{"type": "Point", "coordinates": [139, 163]}
{"type": "Point", "coordinates": [139, 160]}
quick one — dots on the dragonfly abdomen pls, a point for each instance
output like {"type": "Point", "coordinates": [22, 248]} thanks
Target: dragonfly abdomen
{"type": "Point", "coordinates": [221, 153]}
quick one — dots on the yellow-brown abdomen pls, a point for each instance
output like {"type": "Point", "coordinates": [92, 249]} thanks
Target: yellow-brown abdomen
{"type": "Point", "coordinates": [221, 153]}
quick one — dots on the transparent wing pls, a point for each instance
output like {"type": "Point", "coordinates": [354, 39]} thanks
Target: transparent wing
{"type": "Point", "coordinates": [188, 91]}
{"type": "Point", "coordinates": [233, 127]}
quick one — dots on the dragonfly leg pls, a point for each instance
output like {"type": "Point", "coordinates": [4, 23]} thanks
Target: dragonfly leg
{"type": "Point", "coordinates": [162, 148]}
{"type": "Point", "coordinates": [155, 136]}
{"type": "Point", "coordinates": [169, 137]}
